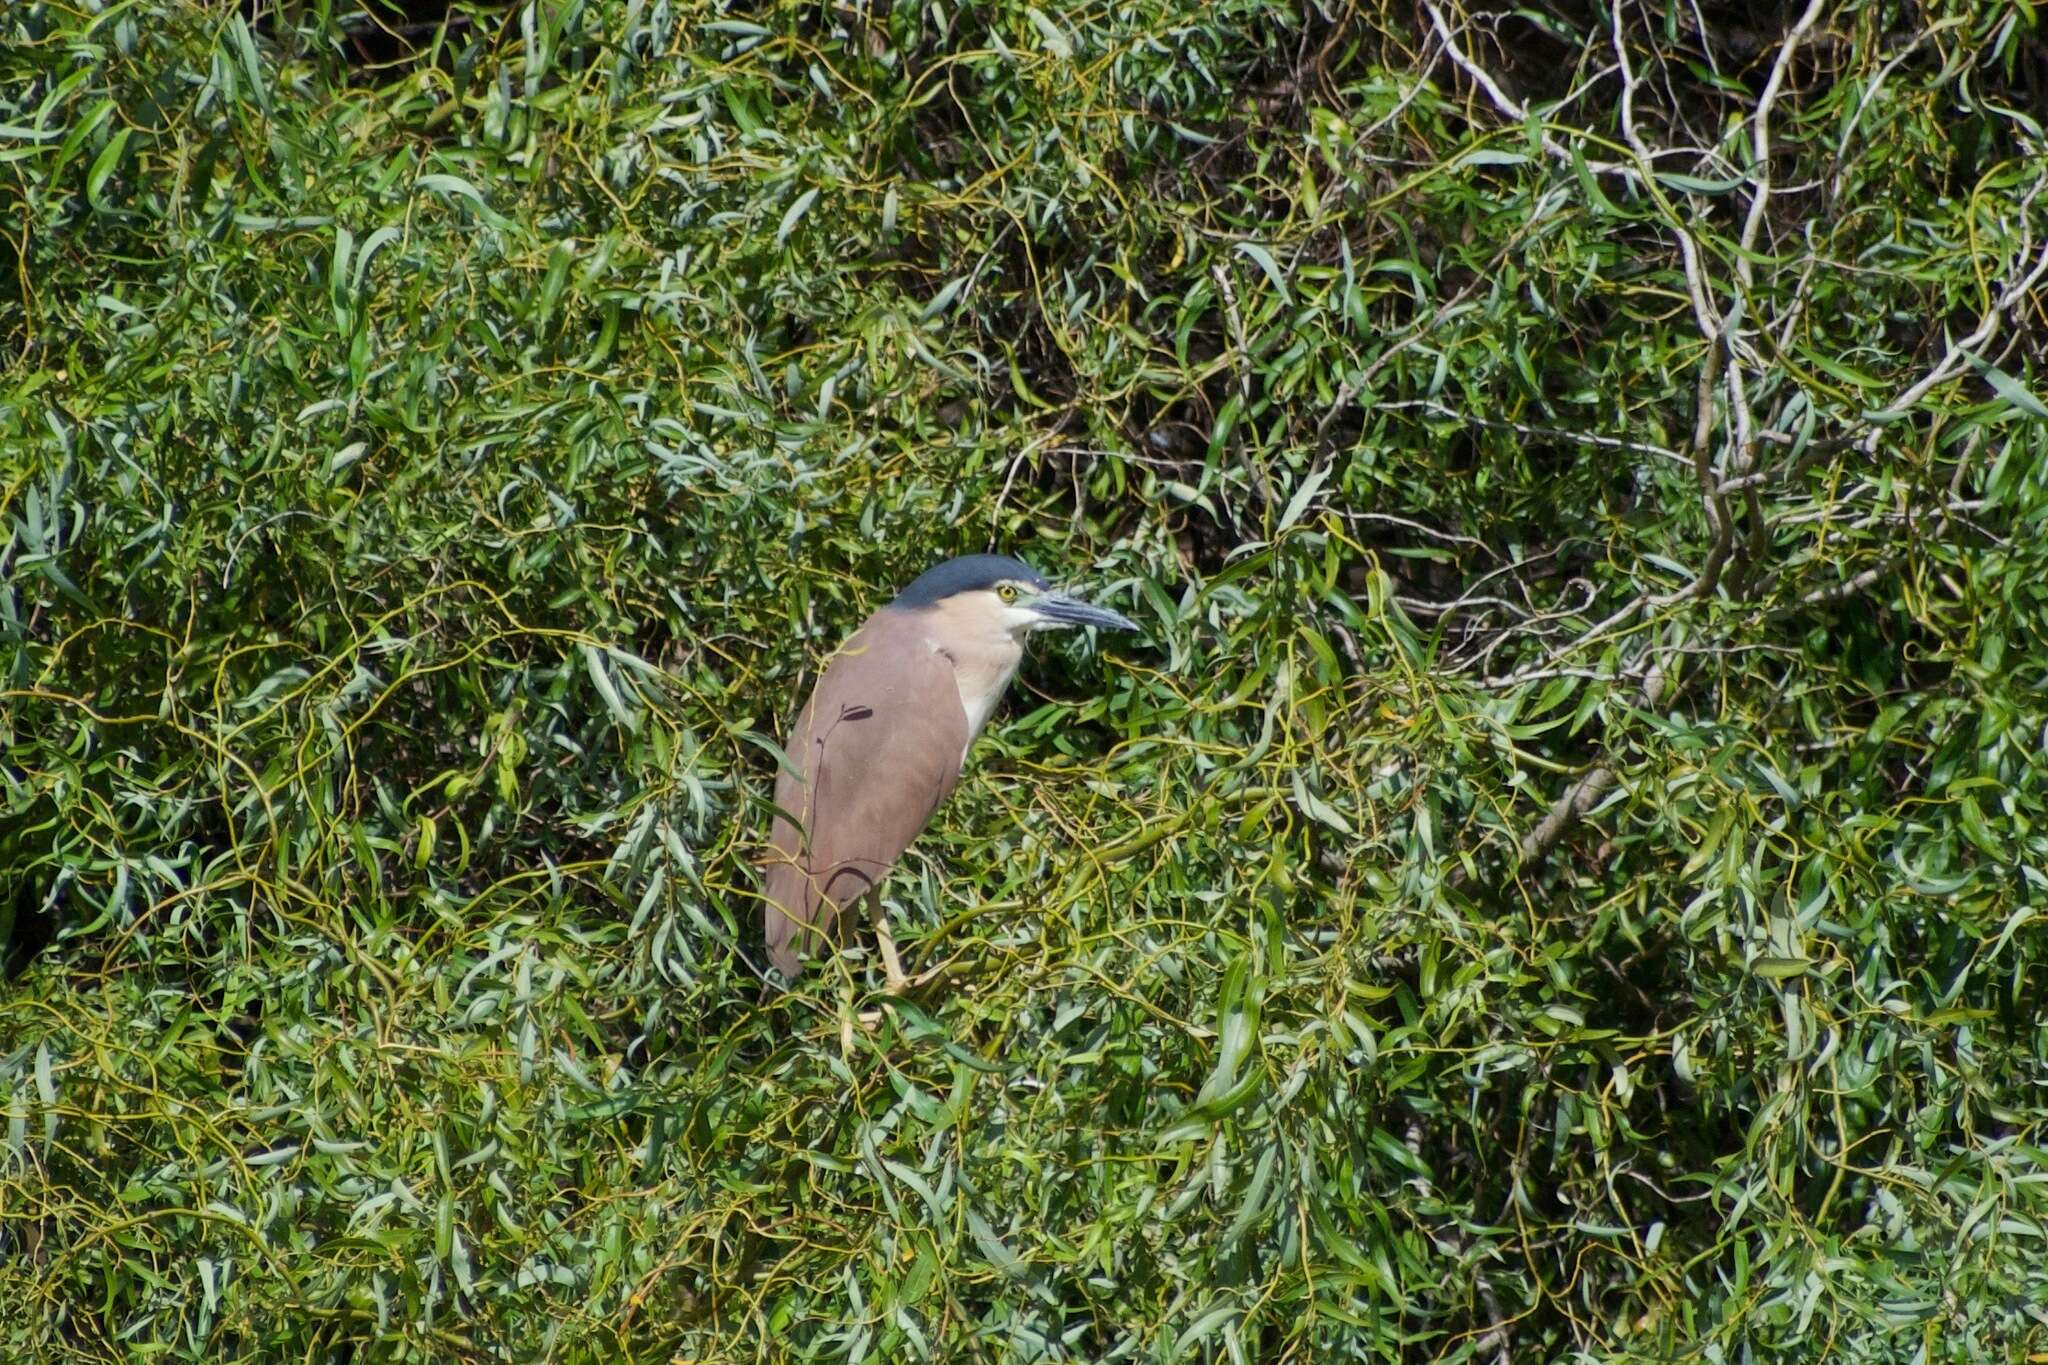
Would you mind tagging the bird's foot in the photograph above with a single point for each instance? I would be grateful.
(900, 984)
(897, 985)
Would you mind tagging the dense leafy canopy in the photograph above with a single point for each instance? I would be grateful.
(1560, 872)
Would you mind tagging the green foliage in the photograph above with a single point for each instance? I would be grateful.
(1559, 873)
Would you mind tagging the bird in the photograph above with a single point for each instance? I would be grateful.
(885, 734)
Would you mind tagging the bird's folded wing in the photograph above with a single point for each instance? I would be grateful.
(879, 746)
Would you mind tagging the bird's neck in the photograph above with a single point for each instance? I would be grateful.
(983, 663)
(981, 672)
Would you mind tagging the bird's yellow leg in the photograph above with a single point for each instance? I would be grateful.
(892, 966)
(897, 981)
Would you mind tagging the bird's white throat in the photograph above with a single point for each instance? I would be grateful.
(981, 671)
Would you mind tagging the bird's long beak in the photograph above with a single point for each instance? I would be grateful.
(1061, 610)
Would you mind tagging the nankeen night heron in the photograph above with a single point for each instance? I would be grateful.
(883, 738)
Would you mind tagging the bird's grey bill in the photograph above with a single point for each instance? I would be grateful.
(1072, 611)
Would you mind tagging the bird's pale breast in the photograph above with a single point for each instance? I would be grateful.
(983, 661)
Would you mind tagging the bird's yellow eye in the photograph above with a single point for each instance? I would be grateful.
(1007, 591)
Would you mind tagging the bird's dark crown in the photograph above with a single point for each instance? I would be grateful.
(968, 573)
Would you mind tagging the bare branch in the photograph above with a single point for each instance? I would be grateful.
(1586, 793)
(1584, 438)
(1760, 141)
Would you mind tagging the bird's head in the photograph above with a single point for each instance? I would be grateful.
(1004, 594)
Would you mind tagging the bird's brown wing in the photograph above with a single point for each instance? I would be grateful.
(879, 745)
